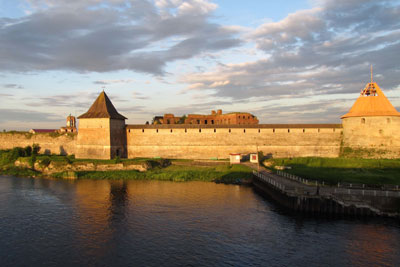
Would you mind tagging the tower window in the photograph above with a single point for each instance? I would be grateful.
(363, 120)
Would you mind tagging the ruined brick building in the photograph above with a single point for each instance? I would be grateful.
(216, 117)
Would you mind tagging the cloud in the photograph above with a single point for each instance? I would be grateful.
(102, 36)
(12, 86)
(22, 115)
(106, 82)
(324, 50)
(139, 96)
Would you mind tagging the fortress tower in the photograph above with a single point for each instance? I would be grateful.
(102, 133)
(372, 123)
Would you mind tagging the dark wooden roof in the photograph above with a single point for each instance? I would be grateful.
(217, 126)
(44, 130)
(102, 108)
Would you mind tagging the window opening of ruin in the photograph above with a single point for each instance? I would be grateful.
(198, 121)
(244, 130)
(199, 130)
(388, 120)
(212, 121)
(167, 121)
(205, 121)
(185, 130)
(288, 130)
(142, 130)
(229, 130)
(156, 130)
(129, 130)
(319, 130)
(171, 130)
(304, 130)
(273, 130)
(215, 130)
(363, 120)
(259, 131)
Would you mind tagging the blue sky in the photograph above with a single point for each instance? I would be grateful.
(284, 61)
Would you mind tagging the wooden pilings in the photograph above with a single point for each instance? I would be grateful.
(312, 204)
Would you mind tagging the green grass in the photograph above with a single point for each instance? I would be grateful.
(19, 172)
(344, 170)
(223, 173)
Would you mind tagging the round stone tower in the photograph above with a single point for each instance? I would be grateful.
(372, 126)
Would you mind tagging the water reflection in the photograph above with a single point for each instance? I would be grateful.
(150, 223)
(118, 200)
(373, 243)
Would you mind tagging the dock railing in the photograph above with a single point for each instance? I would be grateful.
(333, 190)
(338, 185)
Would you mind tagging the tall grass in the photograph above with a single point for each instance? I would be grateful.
(344, 170)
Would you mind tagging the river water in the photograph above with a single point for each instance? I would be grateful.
(152, 223)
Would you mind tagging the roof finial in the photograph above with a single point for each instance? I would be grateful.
(103, 88)
(372, 80)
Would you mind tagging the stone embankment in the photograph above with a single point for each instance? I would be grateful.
(303, 198)
(55, 167)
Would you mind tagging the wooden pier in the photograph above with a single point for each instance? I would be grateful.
(315, 199)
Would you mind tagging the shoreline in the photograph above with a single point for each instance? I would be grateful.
(226, 174)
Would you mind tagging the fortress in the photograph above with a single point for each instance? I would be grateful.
(370, 129)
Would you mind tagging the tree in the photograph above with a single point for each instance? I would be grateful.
(182, 119)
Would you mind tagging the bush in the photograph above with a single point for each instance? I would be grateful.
(12, 155)
(28, 151)
(35, 149)
(45, 161)
(32, 161)
(117, 159)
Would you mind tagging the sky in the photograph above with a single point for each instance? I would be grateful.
(292, 61)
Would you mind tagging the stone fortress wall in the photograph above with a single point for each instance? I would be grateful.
(370, 129)
(212, 141)
(49, 144)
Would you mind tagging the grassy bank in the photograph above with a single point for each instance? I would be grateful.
(158, 169)
(343, 170)
(221, 173)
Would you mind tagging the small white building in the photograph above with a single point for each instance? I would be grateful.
(254, 158)
(234, 158)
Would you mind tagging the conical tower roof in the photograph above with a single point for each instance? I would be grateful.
(371, 102)
(102, 108)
